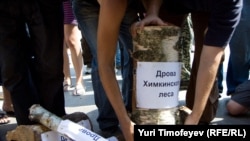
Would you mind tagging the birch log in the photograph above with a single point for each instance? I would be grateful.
(26, 133)
(34, 132)
(68, 128)
(156, 44)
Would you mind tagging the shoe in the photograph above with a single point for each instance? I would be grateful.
(220, 91)
(112, 132)
(79, 90)
(88, 70)
(66, 87)
(4, 119)
(230, 93)
(118, 67)
(8, 109)
(81, 119)
(10, 113)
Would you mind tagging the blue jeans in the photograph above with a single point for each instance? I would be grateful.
(118, 57)
(239, 59)
(87, 13)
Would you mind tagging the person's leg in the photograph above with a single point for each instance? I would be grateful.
(14, 58)
(235, 109)
(239, 104)
(46, 30)
(66, 69)
(87, 16)
(72, 36)
(87, 56)
(126, 45)
(118, 58)
(239, 59)
(7, 102)
(4, 119)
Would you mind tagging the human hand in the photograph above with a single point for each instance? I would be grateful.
(148, 20)
(191, 120)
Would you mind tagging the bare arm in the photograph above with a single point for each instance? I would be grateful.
(152, 6)
(111, 14)
(209, 62)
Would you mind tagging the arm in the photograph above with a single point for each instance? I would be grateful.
(152, 6)
(220, 28)
(111, 14)
(209, 62)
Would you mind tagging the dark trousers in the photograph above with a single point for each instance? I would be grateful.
(199, 22)
(32, 62)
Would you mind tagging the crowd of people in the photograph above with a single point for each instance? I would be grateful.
(34, 39)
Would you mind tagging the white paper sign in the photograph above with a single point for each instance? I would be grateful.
(67, 125)
(54, 136)
(157, 84)
(78, 132)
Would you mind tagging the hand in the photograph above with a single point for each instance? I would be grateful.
(191, 120)
(148, 20)
(151, 20)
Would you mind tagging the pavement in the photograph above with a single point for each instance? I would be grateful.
(86, 104)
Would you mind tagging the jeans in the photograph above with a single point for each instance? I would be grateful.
(118, 57)
(36, 80)
(87, 13)
(239, 59)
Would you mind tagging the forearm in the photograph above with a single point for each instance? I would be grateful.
(111, 15)
(209, 62)
(99, 1)
(152, 6)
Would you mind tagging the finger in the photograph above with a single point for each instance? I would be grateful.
(134, 28)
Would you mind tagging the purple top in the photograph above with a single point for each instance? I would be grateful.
(69, 17)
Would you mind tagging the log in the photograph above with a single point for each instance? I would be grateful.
(26, 133)
(156, 44)
(173, 116)
(34, 132)
(65, 127)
